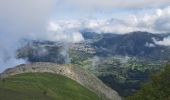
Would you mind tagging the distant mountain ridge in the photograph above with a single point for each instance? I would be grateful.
(134, 44)
(138, 44)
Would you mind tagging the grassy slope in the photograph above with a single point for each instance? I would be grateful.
(43, 86)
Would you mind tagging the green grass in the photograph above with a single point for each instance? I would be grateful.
(43, 86)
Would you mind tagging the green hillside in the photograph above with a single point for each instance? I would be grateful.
(158, 88)
(43, 86)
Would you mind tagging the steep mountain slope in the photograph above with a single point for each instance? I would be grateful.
(76, 73)
(43, 86)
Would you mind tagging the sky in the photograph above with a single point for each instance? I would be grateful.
(105, 8)
(113, 16)
(62, 20)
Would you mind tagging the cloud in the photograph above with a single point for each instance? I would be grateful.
(20, 19)
(68, 27)
(156, 22)
(164, 42)
(162, 22)
(72, 37)
(150, 45)
(64, 31)
(110, 4)
(26, 16)
(27, 19)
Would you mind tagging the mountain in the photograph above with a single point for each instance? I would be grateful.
(43, 51)
(73, 72)
(138, 44)
(134, 44)
(121, 61)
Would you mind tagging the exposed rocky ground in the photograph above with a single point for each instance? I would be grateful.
(74, 72)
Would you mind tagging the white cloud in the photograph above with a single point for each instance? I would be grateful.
(156, 22)
(20, 19)
(67, 31)
(72, 37)
(164, 42)
(150, 45)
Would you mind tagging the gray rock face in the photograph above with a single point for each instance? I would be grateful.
(74, 72)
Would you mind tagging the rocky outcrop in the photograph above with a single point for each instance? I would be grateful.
(74, 72)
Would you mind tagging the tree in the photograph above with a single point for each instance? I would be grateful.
(158, 88)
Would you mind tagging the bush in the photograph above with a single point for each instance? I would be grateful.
(45, 92)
